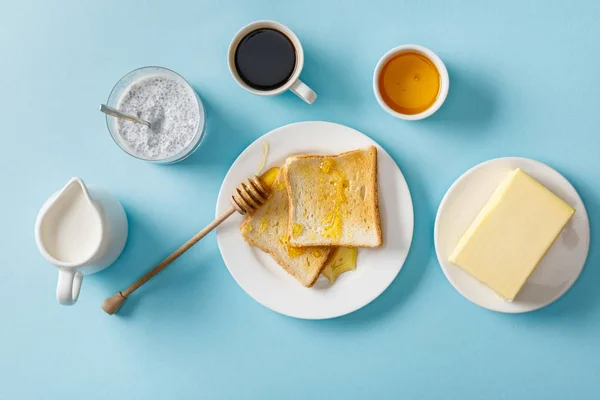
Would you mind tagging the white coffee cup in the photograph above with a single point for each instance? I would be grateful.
(444, 81)
(293, 83)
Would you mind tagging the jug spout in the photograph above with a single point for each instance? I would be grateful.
(76, 184)
(70, 226)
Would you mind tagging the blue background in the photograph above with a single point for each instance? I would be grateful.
(524, 82)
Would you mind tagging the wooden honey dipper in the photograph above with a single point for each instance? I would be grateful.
(247, 197)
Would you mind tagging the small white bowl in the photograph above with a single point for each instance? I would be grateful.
(444, 81)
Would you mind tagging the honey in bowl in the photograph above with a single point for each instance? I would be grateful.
(409, 82)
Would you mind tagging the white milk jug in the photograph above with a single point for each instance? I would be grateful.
(81, 230)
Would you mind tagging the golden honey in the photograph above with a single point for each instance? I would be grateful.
(332, 221)
(326, 165)
(291, 251)
(263, 223)
(341, 260)
(409, 83)
(263, 159)
(296, 229)
(269, 177)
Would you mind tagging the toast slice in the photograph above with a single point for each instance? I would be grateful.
(333, 199)
(267, 229)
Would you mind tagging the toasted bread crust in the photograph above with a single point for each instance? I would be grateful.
(376, 194)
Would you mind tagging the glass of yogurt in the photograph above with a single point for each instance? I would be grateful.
(166, 100)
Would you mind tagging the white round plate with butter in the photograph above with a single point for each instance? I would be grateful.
(559, 268)
(268, 283)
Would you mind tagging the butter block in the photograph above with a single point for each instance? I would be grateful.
(511, 234)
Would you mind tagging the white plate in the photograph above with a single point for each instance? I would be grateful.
(265, 281)
(557, 271)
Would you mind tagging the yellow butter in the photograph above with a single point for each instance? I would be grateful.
(511, 234)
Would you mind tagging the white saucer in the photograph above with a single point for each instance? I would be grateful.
(265, 281)
(557, 271)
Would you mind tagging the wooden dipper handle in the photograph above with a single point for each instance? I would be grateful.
(248, 196)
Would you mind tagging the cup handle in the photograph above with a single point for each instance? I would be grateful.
(301, 90)
(69, 285)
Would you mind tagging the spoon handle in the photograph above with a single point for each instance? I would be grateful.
(118, 114)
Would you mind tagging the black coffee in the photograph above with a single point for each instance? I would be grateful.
(265, 59)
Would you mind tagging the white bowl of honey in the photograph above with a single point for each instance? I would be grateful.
(410, 82)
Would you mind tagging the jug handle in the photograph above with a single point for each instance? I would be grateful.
(68, 287)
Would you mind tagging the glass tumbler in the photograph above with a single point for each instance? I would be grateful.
(123, 86)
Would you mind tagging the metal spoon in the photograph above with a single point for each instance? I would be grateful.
(118, 114)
